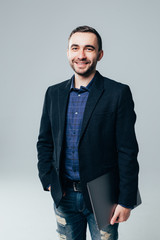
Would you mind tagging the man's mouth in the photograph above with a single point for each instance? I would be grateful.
(81, 63)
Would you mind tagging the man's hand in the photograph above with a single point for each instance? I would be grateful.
(49, 188)
(121, 214)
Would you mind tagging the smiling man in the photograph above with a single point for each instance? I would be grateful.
(83, 54)
(87, 130)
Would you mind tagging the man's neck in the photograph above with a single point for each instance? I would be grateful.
(83, 80)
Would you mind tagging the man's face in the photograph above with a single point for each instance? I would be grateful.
(83, 53)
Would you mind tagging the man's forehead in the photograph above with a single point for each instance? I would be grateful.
(85, 38)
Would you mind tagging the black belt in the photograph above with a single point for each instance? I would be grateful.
(73, 184)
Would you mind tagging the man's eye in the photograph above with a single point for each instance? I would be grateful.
(74, 49)
(89, 49)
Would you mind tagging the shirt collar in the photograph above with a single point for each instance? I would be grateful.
(82, 88)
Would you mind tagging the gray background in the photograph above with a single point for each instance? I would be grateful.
(33, 56)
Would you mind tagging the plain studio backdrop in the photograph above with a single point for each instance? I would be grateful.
(33, 46)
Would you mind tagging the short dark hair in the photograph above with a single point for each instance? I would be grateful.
(88, 29)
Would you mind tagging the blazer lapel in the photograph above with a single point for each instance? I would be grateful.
(63, 95)
(94, 95)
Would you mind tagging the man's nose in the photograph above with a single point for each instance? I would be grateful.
(81, 54)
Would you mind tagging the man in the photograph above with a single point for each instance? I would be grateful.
(87, 130)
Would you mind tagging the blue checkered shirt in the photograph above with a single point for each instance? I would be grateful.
(74, 117)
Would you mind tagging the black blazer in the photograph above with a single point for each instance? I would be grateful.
(107, 139)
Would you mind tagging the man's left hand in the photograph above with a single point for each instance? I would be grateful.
(121, 214)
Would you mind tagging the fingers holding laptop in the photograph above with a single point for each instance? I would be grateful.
(121, 214)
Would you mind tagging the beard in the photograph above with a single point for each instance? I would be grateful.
(84, 72)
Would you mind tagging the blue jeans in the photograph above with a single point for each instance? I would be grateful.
(72, 217)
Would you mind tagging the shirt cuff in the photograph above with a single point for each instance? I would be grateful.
(130, 207)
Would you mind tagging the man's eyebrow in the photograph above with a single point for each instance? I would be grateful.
(91, 46)
(76, 45)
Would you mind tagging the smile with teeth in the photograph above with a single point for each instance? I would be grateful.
(81, 63)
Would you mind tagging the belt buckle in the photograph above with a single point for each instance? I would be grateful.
(75, 187)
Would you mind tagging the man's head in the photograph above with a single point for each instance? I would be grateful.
(84, 50)
(85, 29)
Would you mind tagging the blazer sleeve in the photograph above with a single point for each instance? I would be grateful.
(45, 145)
(127, 148)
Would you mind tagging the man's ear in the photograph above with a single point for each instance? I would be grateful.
(100, 55)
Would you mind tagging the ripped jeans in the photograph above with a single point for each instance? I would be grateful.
(72, 217)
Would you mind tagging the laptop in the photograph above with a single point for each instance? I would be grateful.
(103, 193)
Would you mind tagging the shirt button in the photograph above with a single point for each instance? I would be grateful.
(79, 95)
(76, 112)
